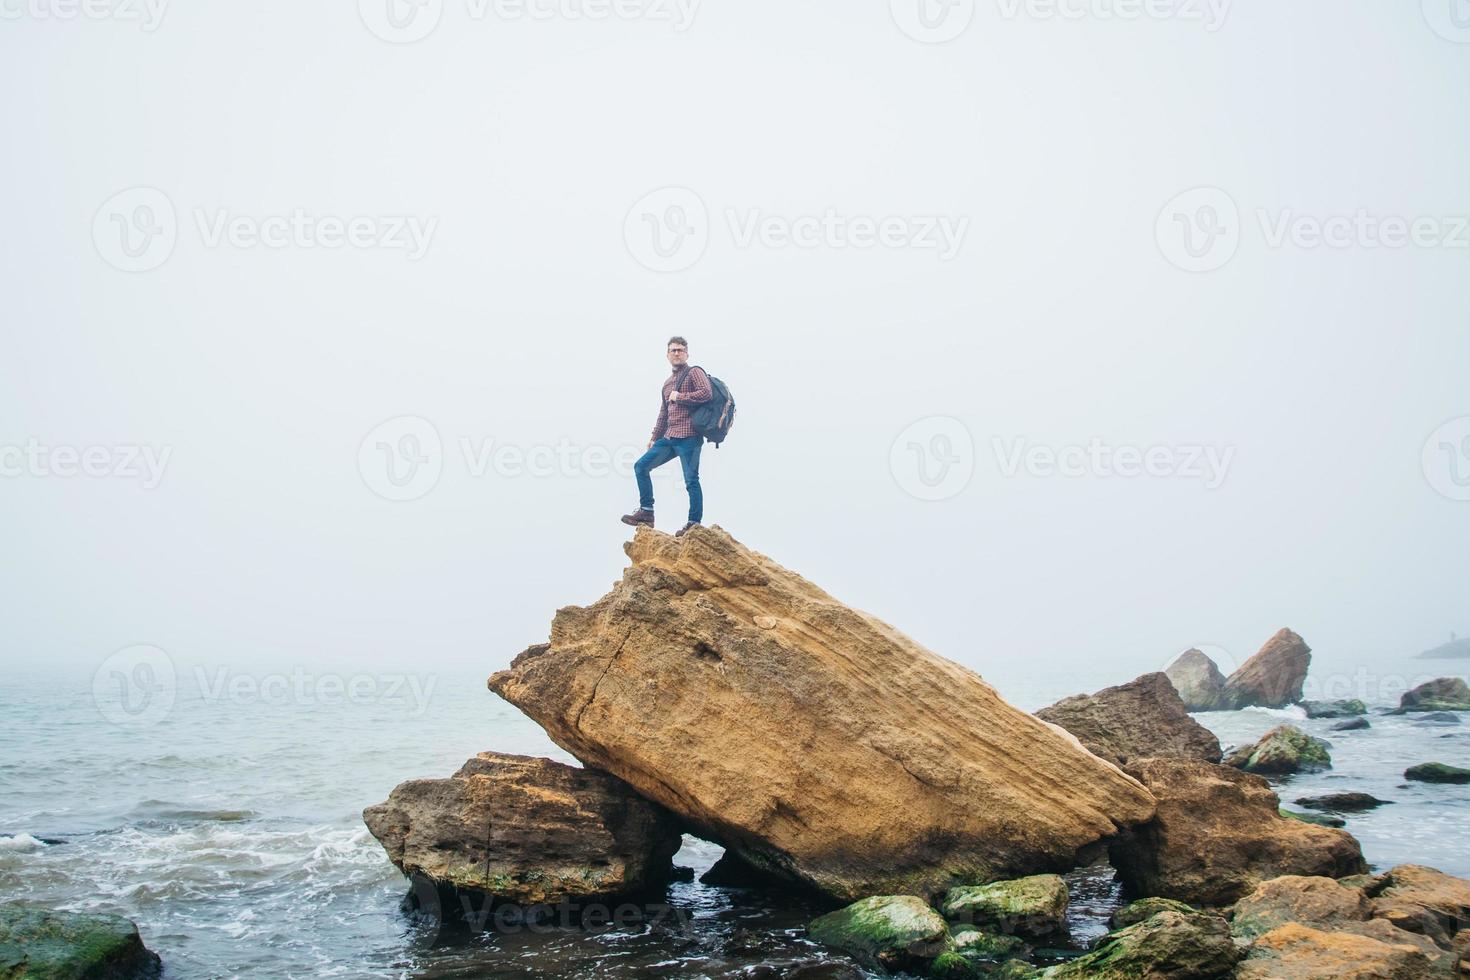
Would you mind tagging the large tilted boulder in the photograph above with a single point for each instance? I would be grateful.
(1444, 694)
(1218, 833)
(1142, 718)
(39, 943)
(1199, 682)
(1272, 678)
(816, 741)
(527, 831)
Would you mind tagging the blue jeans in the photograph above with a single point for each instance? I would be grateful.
(663, 450)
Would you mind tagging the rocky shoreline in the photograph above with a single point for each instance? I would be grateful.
(715, 693)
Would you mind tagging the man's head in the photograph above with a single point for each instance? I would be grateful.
(678, 351)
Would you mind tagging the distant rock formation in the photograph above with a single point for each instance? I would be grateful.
(1137, 720)
(1272, 678)
(526, 830)
(1198, 681)
(1457, 649)
(817, 742)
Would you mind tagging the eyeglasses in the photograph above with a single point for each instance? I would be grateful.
(678, 350)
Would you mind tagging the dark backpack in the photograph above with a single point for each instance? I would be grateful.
(714, 418)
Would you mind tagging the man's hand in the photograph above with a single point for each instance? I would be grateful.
(649, 446)
(673, 396)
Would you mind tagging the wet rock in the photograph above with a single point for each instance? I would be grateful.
(1283, 750)
(1321, 903)
(1335, 709)
(1443, 694)
(1198, 681)
(1438, 718)
(1298, 952)
(1423, 900)
(1351, 725)
(1168, 945)
(1218, 833)
(977, 944)
(46, 944)
(526, 830)
(891, 932)
(1144, 908)
(1437, 772)
(1273, 677)
(1320, 819)
(829, 749)
(1033, 907)
(1142, 718)
(1341, 802)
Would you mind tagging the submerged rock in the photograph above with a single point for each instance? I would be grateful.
(1273, 677)
(816, 741)
(1142, 718)
(46, 944)
(1351, 725)
(1218, 833)
(1437, 772)
(1341, 802)
(526, 830)
(1283, 750)
(1334, 709)
(1034, 907)
(1168, 945)
(1443, 694)
(1438, 718)
(1198, 681)
(893, 932)
(1320, 819)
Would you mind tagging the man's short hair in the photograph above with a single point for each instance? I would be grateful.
(677, 340)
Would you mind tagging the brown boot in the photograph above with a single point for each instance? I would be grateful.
(639, 516)
(680, 533)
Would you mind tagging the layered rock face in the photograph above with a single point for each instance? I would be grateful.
(1137, 720)
(1218, 834)
(816, 741)
(1272, 678)
(1199, 682)
(526, 830)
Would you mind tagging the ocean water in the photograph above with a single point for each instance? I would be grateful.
(228, 827)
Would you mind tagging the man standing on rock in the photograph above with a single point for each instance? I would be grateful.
(674, 435)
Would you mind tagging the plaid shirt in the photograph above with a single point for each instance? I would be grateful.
(673, 418)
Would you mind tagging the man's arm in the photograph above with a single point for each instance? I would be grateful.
(663, 421)
(701, 391)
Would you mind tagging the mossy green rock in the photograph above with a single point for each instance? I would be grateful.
(1284, 749)
(1443, 694)
(1320, 819)
(1145, 908)
(1034, 907)
(42, 944)
(1169, 945)
(1334, 709)
(979, 944)
(1437, 772)
(955, 966)
(888, 931)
